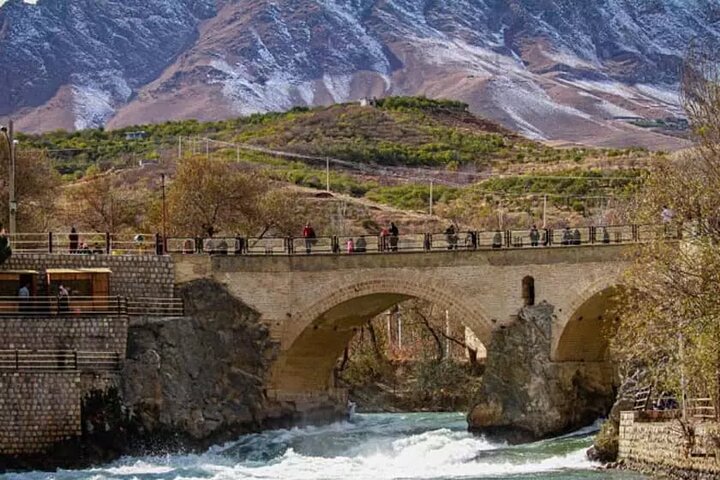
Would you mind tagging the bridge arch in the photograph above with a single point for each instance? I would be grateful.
(583, 333)
(321, 331)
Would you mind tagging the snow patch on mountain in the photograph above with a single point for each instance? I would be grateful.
(96, 98)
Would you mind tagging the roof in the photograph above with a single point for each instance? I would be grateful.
(60, 271)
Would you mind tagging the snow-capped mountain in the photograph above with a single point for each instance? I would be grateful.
(553, 69)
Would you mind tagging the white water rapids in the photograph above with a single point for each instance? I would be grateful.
(370, 447)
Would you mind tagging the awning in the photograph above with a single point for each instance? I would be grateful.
(19, 272)
(70, 271)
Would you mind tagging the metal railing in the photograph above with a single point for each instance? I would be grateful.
(57, 306)
(155, 307)
(701, 408)
(59, 360)
(427, 242)
(665, 406)
(86, 243)
(76, 306)
(146, 244)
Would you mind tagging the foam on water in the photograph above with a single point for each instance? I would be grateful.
(382, 447)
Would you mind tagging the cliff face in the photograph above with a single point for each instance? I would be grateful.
(196, 381)
(553, 69)
(525, 396)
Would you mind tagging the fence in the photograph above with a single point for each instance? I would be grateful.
(90, 306)
(427, 242)
(86, 243)
(58, 360)
(146, 244)
(666, 406)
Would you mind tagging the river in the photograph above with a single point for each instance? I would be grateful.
(369, 447)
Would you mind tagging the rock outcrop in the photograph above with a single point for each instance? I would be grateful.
(525, 396)
(198, 380)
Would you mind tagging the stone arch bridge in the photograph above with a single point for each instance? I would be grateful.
(312, 304)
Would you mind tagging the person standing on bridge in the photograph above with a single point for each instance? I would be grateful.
(534, 236)
(384, 235)
(74, 240)
(497, 239)
(394, 237)
(567, 237)
(309, 236)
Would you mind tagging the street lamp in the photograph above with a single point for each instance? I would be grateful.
(8, 133)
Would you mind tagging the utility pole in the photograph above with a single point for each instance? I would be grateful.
(447, 334)
(327, 174)
(180, 147)
(545, 211)
(13, 201)
(164, 231)
(207, 148)
(9, 134)
(237, 153)
(431, 196)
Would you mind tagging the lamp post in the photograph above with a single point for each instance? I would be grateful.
(162, 178)
(8, 133)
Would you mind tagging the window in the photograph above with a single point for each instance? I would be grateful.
(528, 291)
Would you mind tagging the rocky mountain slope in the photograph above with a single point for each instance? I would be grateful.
(553, 69)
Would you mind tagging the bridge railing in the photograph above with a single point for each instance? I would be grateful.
(58, 360)
(147, 244)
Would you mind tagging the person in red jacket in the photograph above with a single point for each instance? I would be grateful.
(309, 236)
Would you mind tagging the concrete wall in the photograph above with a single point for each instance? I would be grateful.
(88, 334)
(662, 447)
(38, 410)
(133, 276)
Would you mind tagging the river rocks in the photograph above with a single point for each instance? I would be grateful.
(194, 381)
(525, 396)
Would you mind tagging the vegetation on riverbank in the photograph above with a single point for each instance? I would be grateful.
(412, 359)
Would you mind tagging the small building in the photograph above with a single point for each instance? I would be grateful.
(138, 135)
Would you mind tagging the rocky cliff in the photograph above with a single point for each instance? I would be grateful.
(525, 396)
(196, 381)
(552, 69)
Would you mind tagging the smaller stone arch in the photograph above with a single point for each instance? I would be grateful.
(583, 333)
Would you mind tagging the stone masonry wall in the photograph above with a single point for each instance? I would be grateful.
(133, 276)
(663, 447)
(38, 410)
(89, 334)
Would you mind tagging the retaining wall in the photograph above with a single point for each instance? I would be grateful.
(663, 447)
(38, 410)
(87, 334)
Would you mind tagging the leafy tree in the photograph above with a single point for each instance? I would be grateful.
(36, 189)
(671, 316)
(98, 204)
(208, 197)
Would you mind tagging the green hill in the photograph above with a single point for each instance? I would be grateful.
(389, 150)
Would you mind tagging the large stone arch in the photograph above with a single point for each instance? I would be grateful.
(582, 331)
(320, 332)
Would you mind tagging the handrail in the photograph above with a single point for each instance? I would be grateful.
(77, 306)
(59, 360)
(148, 244)
(427, 242)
